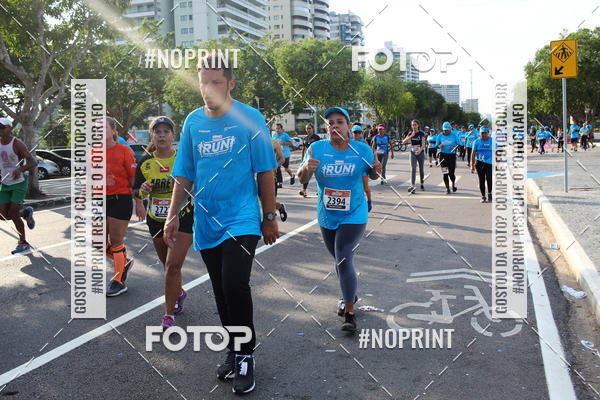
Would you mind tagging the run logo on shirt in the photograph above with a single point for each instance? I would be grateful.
(340, 168)
(217, 146)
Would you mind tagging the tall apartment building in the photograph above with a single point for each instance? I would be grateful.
(195, 21)
(470, 105)
(410, 70)
(451, 93)
(298, 19)
(347, 28)
(153, 10)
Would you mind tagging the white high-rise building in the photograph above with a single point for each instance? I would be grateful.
(347, 28)
(470, 105)
(410, 71)
(195, 21)
(298, 19)
(153, 10)
(451, 93)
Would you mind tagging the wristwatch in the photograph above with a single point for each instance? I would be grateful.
(270, 216)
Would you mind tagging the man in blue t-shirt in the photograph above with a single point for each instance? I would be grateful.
(482, 160)
(226, 153)
(574, 132)
(382, 147)
(285, 140)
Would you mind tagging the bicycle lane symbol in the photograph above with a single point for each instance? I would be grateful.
(477, 307)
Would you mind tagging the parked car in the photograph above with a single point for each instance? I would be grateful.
(64, 164)
(296, 143)
(63, 152)
(139, 151)
(46, 168)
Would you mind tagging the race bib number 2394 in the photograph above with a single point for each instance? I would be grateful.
(336, 200)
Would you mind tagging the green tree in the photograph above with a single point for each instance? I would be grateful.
(386, 94)
(318, 72)
(428, 102)
(133, 92)
(37, 55)
(544, 94)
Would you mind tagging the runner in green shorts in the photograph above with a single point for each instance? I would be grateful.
(15, 159)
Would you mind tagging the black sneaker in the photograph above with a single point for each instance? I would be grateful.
(454, 188)
(483, 200)
(447, 191)
(349, 324)
(115, 288)
(341, 306)
(422, 187)
(226, 370)
(128, 266)
(243, 381)
(413, 190)
(279, 185)
(292, 179)
(282, 213)
(489, 197)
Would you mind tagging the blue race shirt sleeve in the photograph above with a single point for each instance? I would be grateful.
(261, 147)
(184, 160)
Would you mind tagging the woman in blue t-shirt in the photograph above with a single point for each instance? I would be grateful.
(481, 159)
(382, 146)
(339, 165)
(417, 145)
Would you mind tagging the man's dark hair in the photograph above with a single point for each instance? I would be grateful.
(216, 61)
(279, 125)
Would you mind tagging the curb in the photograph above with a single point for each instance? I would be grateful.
(37, 204)
(578, 261)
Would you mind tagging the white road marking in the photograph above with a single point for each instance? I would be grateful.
(557, 373)
(93, 334)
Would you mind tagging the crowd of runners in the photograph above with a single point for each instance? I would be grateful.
(217, 192)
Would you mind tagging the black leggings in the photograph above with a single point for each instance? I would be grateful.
(484, 171)
(542, 145)
(341, 243)
(448, 160)
(229, 267)
(469, 151)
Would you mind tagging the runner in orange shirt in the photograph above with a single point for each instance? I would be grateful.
(120, 171)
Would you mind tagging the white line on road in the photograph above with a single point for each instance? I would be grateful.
(455, 181)
(51, 246)
(558, 379)
(93, 334)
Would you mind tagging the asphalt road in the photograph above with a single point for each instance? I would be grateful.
(407, 253)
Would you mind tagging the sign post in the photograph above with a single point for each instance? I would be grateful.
(563, 65)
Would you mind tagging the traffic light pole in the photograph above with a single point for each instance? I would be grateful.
(564, 96)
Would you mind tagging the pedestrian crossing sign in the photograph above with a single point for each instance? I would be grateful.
(563, 59)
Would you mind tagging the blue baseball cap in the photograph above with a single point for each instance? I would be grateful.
(546, 127)
(356, 128)
(471, 126)
(485, 129)
(446, 126)
(337, 110)
(432, 130)
(162, 120)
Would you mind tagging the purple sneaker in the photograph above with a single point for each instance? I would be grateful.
(179, 302)
(167, 322)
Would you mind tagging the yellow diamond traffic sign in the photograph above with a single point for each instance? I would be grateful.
(368, 115)
(563, 59)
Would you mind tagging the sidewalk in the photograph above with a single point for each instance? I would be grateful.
(573, 217)
(49, 202)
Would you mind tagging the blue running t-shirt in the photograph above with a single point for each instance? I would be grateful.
(449, 142)
(339, 179)
(483, 150)
(220, 156)
(284, 137)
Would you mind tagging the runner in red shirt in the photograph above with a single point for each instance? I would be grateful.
(120, 171)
